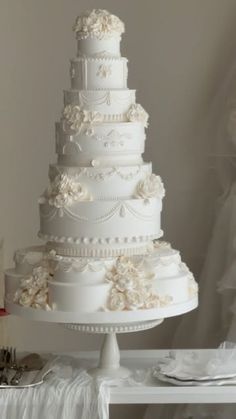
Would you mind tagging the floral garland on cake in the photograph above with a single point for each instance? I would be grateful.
(97, 23)
(33, 291)
(137, 113)
(150, 187)
(132, 287)
(63, 191)
(77, 119)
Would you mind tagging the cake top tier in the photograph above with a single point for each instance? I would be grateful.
(99, 24)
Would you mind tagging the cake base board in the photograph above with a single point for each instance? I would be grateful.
(100, 317)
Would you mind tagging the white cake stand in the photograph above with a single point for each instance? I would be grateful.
(109, 360)
(107, 323)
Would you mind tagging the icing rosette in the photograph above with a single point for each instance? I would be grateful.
(137, 113)
(98, 23)
(132, 286)
(151, 187)
(64, 191)
(33, 291)
(78, 119)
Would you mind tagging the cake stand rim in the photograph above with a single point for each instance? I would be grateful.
(105, 317)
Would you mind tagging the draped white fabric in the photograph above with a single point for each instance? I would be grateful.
(77, 396)
(215, 319)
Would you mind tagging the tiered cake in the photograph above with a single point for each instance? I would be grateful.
(100, 214)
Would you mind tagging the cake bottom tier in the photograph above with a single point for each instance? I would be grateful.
(51, 282)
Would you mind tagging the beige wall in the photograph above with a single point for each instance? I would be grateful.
(178, 53)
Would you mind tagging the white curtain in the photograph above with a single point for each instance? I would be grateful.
(215, 319)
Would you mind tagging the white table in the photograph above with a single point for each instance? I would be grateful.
(161, 393)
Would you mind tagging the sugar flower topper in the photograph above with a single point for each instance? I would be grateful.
(97, 23)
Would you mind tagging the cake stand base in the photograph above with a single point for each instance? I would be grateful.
(109, 360)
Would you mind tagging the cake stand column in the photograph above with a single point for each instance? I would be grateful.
(109, 360)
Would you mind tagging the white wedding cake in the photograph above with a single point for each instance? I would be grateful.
(100, 214)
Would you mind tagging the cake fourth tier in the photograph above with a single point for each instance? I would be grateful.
(103, 200)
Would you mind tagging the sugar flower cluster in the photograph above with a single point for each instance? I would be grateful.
(137, 113)
(33, 291)
(132, 287)
(97, 23)
(77, 119)
(150, 187)
(63, 191)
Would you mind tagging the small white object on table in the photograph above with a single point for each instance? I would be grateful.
(157, 392)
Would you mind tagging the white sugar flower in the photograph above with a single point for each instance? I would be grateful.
(117, 301)
(150, 187)
(73, 117)
(41, 297)
(152, 301)
(98, 23)
(26, 282)
(26, 298)
(40, 273)
(134, 299)
(64, 191)
(78, 119)
(137, 113)
(33, 291)
(125, 283)
(131, 284)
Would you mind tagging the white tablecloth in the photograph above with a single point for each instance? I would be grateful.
(77, 396)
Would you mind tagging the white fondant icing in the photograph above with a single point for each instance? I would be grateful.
(112, 142)
(12, 281)
(105, 182)
(76, 297)
(114, 104)
(90, 221)
(95, 73)
(93, 47)
(177, 287)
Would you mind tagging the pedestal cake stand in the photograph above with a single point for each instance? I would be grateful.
(107, 323)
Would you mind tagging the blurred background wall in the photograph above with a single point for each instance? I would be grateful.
(178, 51)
